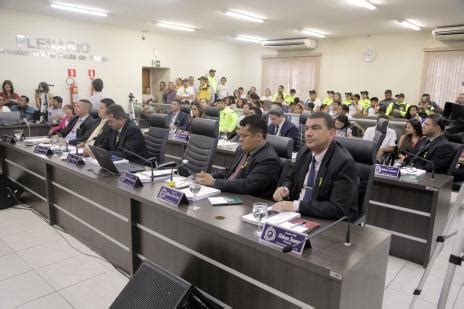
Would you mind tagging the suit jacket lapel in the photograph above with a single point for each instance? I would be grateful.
(303, 171)
(235, 162)
(318, 182)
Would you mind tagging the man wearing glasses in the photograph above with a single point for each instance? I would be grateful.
(255, 168)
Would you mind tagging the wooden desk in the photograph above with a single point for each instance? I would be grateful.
(415, 213)
(212, 247)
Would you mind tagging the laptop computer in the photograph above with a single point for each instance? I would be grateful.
(9, 118)
(103, 158)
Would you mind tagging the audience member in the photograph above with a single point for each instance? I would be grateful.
(148, 97)
(328, 100)
(355, 107)
(227, 118)
(97, 87)
(388, 144)
(348, 99)
(177, 119)
(55, 112)
(255, 168)
(425, 99)
(279, 94)
(124, 136)
(178, 83)
(241, 93)
(8, 93)
(68, 111)
(222, 89)
(397, 109)
(373, 110)
(435, 147)
(280, 126)
(23, 107)
(192, 84)
(338, 97)
(80, 126)
(297, 108)
(413, 113)
(171, 93)
(42, 94)
(204, 92)
(365, 102)
(324, 182)
(213, 84)
(388, 99)
(411, 137)
(163, 92)
(185, 93)
(240, 103)
(196, 111)
(314, 100)
(342, 125)
(290, 99)
(267, 96)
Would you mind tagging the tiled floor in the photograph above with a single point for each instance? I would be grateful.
(38, 269)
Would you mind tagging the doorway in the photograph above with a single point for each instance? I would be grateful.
(151, 77)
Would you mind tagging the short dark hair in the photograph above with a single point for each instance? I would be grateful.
(357, 96)
(343, 119)
(312, 92)
(117, 111)
(345, 108)
(375, 99)
(97, 84)
(388, 91)
(175, 101)
(438, 120)
(89, 104)
(107, 101)
(310, 105)
(276, 111)
(25, 98)
(257, 110)
(292, 90)
(255, 123)
(329, 121)
(58, 99)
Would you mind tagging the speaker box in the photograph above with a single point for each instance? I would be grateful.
(153, 287)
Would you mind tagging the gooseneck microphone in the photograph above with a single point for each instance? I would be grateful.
(149, 161)
(290, 247)
(420, 158)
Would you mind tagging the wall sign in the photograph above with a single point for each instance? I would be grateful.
(71, 72)
(52, 48)
(91, 73)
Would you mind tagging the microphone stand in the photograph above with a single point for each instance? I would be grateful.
(149, 161)
(290, 247)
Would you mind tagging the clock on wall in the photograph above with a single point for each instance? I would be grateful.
(368, 55)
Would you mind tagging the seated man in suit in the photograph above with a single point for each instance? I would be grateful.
(255, 168)
(280, 126)
(324, 181)
(125, 136)
(178, 118)
(435, 147)
(102, 130)
(80, 126)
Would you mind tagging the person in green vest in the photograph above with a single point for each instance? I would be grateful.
(290, 99)
(348, 99)
(397, 109)
(328, 100)
(227, 118)
(213, 84)
(365, 101)
(280, 91)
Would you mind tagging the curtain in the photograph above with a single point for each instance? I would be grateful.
(300, 73)
(443, 75)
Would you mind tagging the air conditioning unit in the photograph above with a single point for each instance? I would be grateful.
(290, 44)
(452, 33)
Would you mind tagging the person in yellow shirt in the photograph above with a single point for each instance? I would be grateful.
(290, 99)
(348, 99)
(280, 91)
(204, 91)
(365, 101)
(228, 119)
(328, 100)
(398, 109)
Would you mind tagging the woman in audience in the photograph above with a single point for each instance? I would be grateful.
(409, 140)
(40, 93)
(8, 93)
(342, 124)
(325, 108)
(355, 107)
(68, 114)
(267, 95)
(240, 103)
(196, 111)
(203, 103)
(178, 83)
(297, 108)
(338, 97)
(236, 95)
(413, 113)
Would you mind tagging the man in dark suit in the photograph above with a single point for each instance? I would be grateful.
(280, 126)
(125, 136)
(255, 168)
(177, 118)
(435, 147)
(324, 181)
(80, 126)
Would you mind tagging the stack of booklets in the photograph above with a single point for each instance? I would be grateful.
(300, 225)
(412, 174)
(204, 192)
(145, 176)
(273, 217)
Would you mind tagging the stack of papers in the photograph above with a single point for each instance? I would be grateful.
(159, 175)
(412, 174)
(204, 192)
(274, 217)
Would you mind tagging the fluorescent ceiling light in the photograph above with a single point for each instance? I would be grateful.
(364, 4)
(313, 33)
(409, 25)
(248, 38)
(244, 15)
(79, 9)
(175, 26)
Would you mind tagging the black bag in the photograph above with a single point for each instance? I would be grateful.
(9, 192)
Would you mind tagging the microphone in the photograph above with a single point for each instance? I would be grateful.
(149, 161)
(290, 247)
(418, 157)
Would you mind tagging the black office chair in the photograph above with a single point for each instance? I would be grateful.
(457, 149)
(363, 153)
(301, 130)
(380, 133)
(201, 147)
(156, 138)
(283, 146)
(212, 113)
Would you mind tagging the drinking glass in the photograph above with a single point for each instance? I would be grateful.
(18, 133)
(194, 187)
(260, 214)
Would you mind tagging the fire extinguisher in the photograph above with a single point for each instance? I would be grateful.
(74, 93)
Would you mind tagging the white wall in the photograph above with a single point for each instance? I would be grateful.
(398, 64)
(125, 49)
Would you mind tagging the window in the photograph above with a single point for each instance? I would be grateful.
(300, 73)
(443, 75)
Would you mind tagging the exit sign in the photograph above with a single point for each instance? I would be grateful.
(155, 63)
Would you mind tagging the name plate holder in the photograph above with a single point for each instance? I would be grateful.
(182, 136)
(277, 236)
(75, 159)
(8, 139)
(130, 180)
(387, 171)
(172, 196)
(43, 150)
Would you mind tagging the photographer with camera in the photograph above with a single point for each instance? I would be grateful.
(43, 99)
